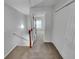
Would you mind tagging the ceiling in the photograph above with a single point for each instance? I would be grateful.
(24, 5)
(52, 3)
(46, 3)
(20, 5)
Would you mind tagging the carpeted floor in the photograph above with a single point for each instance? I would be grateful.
(44, 51)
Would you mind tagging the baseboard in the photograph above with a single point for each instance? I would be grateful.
(57, 49)
(54, 47)
(9, 51)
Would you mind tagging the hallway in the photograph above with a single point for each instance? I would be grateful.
(44, 51)
(48, 26)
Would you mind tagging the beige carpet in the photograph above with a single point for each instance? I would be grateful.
(44, 51)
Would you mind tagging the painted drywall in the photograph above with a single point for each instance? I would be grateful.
(12, 21)
(63, 33)
(48, 25)
(48, 20)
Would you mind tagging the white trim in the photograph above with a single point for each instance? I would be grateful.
(57, 48)
(63, 5)
(9, 51)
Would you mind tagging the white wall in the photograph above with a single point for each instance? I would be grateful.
(63, 35)
(48, 25)
(48, 20)
(12, 20)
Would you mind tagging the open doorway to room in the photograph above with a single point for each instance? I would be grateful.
(39, 27)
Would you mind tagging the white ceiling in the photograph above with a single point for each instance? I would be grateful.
(20, 5)
(52, 3)
(45, 3)
(24, 5)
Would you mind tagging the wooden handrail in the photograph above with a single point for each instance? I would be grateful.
(30, 38)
